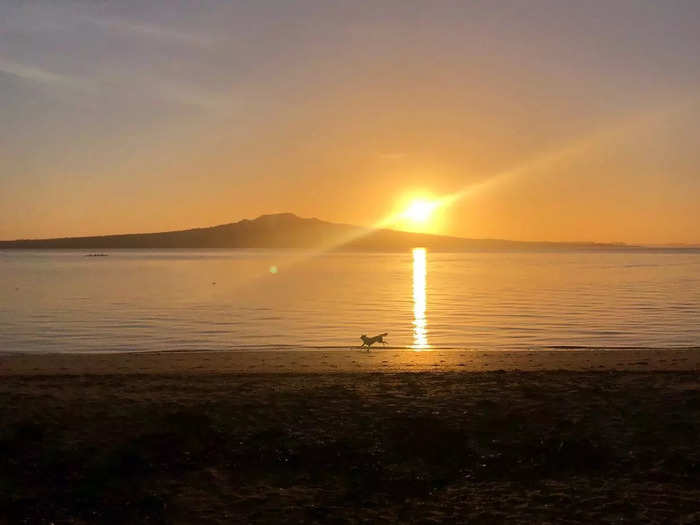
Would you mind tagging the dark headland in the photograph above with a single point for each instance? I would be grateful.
(288, 231)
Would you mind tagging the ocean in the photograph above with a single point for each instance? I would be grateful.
(229, 300)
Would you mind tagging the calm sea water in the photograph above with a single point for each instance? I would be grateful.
(56, 301)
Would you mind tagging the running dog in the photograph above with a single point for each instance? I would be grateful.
(369, 341)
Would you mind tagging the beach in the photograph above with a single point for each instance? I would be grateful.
(379, 359)
(209, 212)
(561, 436)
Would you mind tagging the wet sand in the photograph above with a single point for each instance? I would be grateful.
(348, 437)
(324, 361)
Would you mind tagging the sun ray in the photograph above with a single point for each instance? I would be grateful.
(623, 128)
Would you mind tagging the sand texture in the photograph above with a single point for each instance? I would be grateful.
(428, 447)
(318, 361)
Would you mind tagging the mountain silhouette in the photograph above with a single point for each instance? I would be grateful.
(288, 231)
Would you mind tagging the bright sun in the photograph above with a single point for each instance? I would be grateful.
(420, 210)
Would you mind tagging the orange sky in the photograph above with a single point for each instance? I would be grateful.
(583, 119)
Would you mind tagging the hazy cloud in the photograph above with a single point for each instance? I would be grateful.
(392, 156)
(35, 74)
(158, 32)
(152, 87)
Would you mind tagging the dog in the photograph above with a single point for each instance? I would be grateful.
(369, 341)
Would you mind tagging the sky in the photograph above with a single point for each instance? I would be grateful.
(535, 120)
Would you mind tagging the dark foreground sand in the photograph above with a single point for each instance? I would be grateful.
(152, 439)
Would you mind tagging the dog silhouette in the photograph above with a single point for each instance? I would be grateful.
(369, 341)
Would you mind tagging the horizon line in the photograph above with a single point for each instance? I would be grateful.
(625, 244)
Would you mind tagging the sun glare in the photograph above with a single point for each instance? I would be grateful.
(420, 333)
(419, 211)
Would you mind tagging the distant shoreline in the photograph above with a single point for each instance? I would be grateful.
(285, 231)
(571, 249)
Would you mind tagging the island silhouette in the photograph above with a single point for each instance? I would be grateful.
(289, 231)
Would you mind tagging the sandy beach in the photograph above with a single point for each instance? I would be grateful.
(348, 360)
(347, 437)
(210, 211)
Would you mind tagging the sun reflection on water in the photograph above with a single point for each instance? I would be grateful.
(420, 338)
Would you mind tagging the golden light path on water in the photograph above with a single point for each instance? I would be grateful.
(420, 335)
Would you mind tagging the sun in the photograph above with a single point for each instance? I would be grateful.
(420, 210)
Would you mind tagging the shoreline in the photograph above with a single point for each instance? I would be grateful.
(347, 361)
